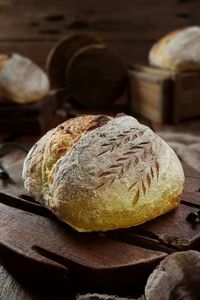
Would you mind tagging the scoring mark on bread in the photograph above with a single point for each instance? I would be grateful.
(136, 197)
(121, 138)
(146, 176)
(141, 152)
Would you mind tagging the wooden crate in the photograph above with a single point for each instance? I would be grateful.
(164, 96)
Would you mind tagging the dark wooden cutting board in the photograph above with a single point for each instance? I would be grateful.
(33, 240)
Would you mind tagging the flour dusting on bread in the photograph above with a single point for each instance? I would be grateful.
(114, 174)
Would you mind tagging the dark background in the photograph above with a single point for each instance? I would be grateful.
(32, 27)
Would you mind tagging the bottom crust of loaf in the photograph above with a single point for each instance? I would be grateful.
(83, 221)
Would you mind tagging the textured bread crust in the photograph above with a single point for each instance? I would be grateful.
(178, 50)
(100, 178)
(44, 156)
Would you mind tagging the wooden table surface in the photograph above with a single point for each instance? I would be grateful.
(19, 286)
(22, 286)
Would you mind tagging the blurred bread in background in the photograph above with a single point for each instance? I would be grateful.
(178, 50)
(21, 80)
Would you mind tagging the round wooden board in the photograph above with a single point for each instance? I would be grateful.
(61, 54)
(87, 72)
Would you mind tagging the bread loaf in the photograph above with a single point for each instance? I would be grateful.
(21, 80)
(178, 50)
(98, 173)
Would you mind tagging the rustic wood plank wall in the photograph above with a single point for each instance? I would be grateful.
(32, 27)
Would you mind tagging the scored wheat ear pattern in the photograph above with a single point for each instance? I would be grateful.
(135, 154)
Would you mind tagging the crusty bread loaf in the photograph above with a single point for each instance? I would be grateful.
(98, 173)
(178, 50)
(21, 80)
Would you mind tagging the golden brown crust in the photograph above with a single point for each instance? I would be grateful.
(117, 218)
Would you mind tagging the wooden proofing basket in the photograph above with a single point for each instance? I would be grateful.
(164, 96)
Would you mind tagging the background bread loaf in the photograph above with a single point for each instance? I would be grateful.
(101, 173)
(178, 50)
(21, 80)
